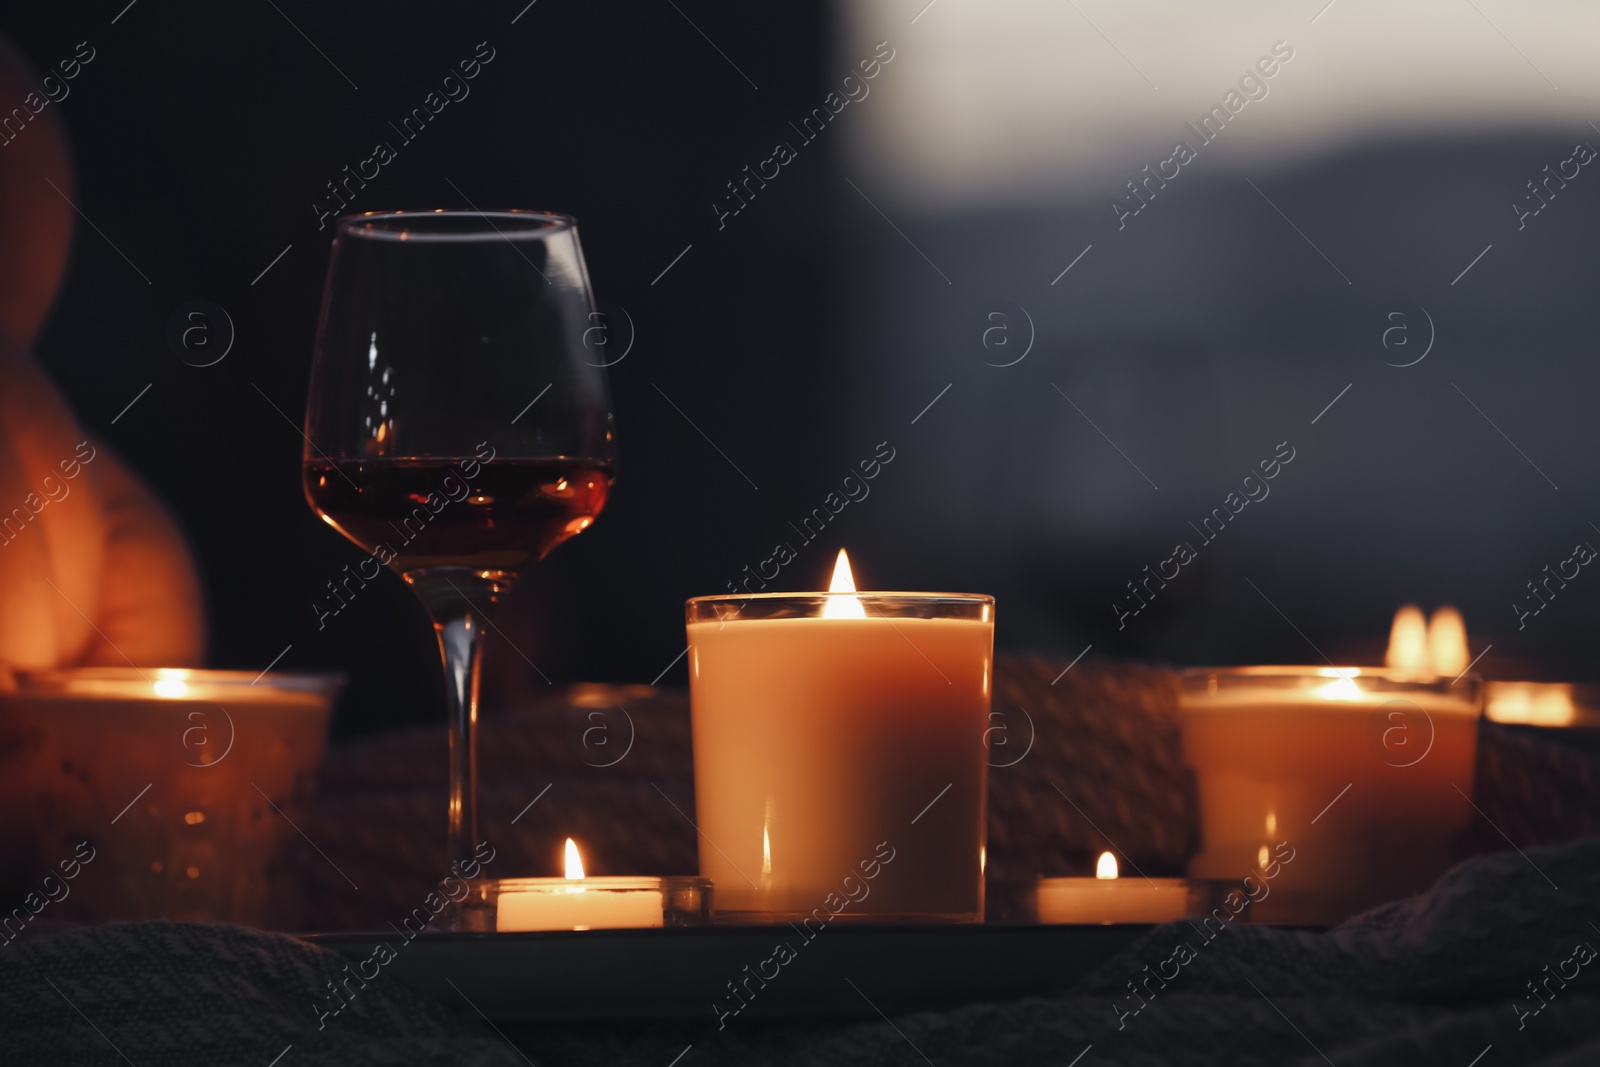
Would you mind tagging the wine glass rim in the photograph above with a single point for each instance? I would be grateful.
(508, 224)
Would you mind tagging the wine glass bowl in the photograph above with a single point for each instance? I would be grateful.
(456, 429)
(434, 323)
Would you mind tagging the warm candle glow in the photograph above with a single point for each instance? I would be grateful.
(1341, 688)
(843, 607)
(574, 862)
(1436, 646)
(1532, 704)
(170, 684)
(1106, 868)
(1447, 641)
(1408, 641)
(601, 903)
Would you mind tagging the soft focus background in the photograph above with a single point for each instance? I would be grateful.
(854, 300)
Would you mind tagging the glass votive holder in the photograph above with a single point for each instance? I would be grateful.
(599, 903)
(1345, 786)
(840, 754)
(166, 792)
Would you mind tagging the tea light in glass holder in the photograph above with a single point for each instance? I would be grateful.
(1106, 898)
(577, 902)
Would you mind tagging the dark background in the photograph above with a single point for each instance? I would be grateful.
(203, 135)
(807, 332)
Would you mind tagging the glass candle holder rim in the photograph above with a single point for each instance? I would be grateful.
(602, 882)
(823, 596)
(1083, 881)
(63, 681)
(495, 224)
(1204, 681)
(704, 609)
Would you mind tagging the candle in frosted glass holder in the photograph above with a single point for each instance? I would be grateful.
(166, 792)
(1344, 786)
(840, 756)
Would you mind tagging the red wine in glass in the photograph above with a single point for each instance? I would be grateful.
(429, 514)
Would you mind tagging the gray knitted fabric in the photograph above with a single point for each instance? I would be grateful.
(1431, 980)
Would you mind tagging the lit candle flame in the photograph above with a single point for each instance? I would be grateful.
(843, 607)
(574, 862)
(1447, 641)
(1436, 646)
(1408, 641)
(1106, 867)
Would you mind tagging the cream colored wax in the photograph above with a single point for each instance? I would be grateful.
(1274, 767)
(1114, 900)
(818, 741)
(562, 905)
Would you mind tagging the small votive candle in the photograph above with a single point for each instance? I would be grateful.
(577, 902)
(1106, 898)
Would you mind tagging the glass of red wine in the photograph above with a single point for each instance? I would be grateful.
(458, 425)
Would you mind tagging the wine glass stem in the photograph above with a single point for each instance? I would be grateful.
(458, 600)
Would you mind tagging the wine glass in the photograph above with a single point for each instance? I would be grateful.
(456, 428)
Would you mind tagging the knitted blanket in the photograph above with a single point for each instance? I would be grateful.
(1493, 966)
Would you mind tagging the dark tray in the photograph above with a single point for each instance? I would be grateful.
(843, 971)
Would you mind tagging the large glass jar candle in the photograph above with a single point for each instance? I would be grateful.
(840, 756)
(1344, 786)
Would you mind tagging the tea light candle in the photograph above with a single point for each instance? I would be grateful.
(1106, 898)
(839, 750)
(580, 903)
